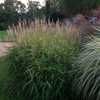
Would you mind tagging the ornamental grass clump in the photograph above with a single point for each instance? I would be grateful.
(88, 72)
(39, 66)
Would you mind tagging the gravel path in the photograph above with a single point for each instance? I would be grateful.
(4, 47)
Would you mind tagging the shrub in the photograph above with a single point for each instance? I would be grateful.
(88, 70)
(39, 66)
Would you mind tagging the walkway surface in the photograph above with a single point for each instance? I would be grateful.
(4, 47)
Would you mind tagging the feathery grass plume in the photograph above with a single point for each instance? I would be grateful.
(88, 72)
(16, 33)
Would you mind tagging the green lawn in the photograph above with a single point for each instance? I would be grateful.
(2, 35)
(3, 78)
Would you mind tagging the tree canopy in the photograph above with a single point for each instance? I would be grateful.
(74, 6)
(11, 11)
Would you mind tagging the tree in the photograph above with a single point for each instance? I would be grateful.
(35, 10)
(20, 7)
(75, 6)
(10, 12)
(10, 5)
